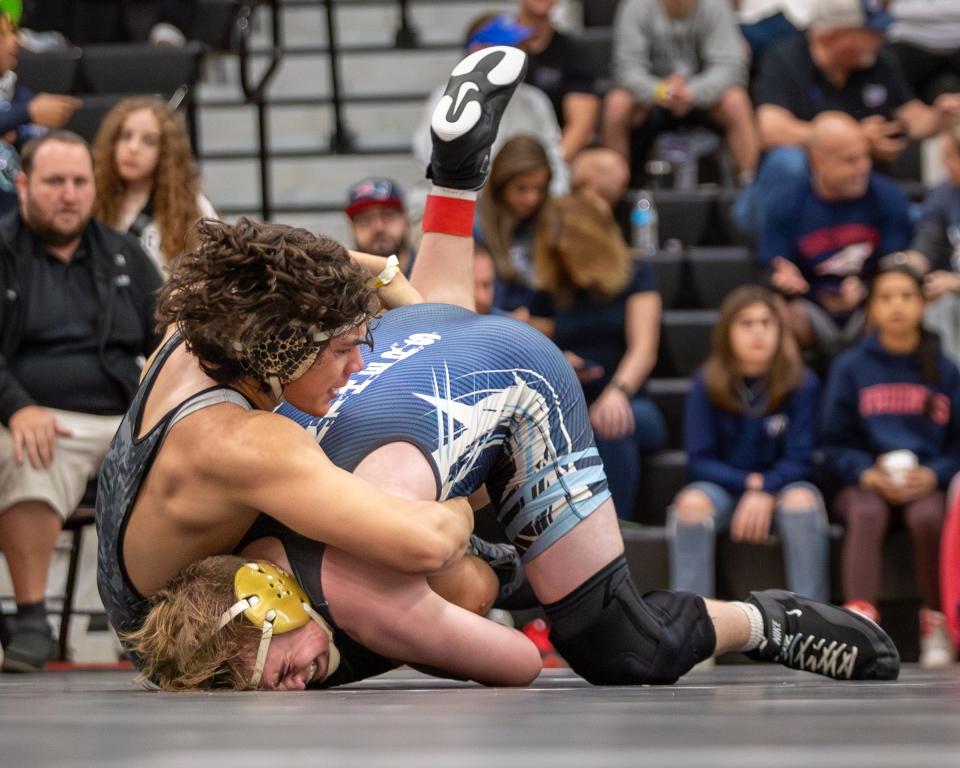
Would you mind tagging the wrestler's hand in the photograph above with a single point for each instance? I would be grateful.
(751, 518)
(34, 431)
(611, 415)
(399, 293)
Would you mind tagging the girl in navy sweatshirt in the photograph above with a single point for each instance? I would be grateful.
(749, 428)
(895, 391)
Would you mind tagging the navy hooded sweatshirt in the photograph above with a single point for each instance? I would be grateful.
(725, 447)
(877, 401)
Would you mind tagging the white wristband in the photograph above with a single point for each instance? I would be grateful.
(389, 272)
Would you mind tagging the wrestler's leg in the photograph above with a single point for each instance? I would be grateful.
(402, 470)
(398, 616)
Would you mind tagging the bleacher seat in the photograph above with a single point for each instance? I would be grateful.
(663, 475)
(599, 13)
(213, 23)
(140, 68)
(715, 271)
(669, 268)
(597, 45)
(52, 71)
(685, 338)
(648, 555)
(86, 120)
(669, 396)
(684, 214)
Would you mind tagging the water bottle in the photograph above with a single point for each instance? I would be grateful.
(643, 225)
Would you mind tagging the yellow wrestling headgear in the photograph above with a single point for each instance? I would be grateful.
(272, 599)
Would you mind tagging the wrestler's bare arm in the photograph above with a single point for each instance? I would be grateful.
(272, 465)
(398, 292)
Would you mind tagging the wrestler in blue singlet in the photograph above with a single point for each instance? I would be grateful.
(488, 400)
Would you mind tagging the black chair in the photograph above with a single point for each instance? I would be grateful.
(669, 395)
(684, 214)
(76, 523)
(669, 268)
(52, 71)
(140, 68)
(663, 475)
(714, 272)
(599, 13)
(86, 120)
(685, 337)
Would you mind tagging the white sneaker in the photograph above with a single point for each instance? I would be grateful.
(936, 650)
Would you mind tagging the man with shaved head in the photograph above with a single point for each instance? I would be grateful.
(824, 235)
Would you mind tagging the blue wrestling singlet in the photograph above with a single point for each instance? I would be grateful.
(488, 400)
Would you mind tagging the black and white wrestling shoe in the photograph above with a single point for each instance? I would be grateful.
(515, 591)
(466, 120)
(815, 637)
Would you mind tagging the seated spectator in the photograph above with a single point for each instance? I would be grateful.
(837, 66)
(825, 234)
(748, 428)
(529, 112)
(604, 172)
(891, 436)
(378, 220)
(925, 38)
(764, 22)
(74, 328)
(680, 63)
(507, 212)
(484, 279)
(603, 310)
(937, 239)
(147, 183)
(558, 67)
(23, 114)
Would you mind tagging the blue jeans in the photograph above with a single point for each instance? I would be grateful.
(621, 458)
(780, 168)
(803, 531)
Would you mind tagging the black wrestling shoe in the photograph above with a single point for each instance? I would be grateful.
(30, 646)
(466, 120)
(812, 636)
(515, 591)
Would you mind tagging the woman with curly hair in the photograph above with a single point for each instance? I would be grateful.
(147, 182)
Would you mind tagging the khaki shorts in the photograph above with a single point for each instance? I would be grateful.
(76, 461)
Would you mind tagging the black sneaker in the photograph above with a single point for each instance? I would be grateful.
(29, 648)
(815, 637)
(466, 120)
(515, 591)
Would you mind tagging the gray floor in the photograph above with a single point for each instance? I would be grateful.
(737, 716)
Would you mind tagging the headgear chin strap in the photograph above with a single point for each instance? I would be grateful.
(273, 600)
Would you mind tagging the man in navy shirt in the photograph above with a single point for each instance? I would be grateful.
(824, 235)
(838, 65)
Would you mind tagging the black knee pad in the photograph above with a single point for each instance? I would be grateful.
(611, 636)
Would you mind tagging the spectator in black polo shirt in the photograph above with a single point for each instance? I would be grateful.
(76, 320)
(559, 68)
(837, 66)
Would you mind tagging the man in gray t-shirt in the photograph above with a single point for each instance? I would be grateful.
(680, 62)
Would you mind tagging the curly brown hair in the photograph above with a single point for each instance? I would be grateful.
(176, 182)
(242, 289)
(180, 645)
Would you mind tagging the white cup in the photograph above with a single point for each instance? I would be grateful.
(897, 464)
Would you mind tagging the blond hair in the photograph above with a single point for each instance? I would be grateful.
(578, 247)
(176, 183)
(180, 645)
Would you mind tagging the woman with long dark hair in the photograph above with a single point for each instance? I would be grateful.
(749, 428)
